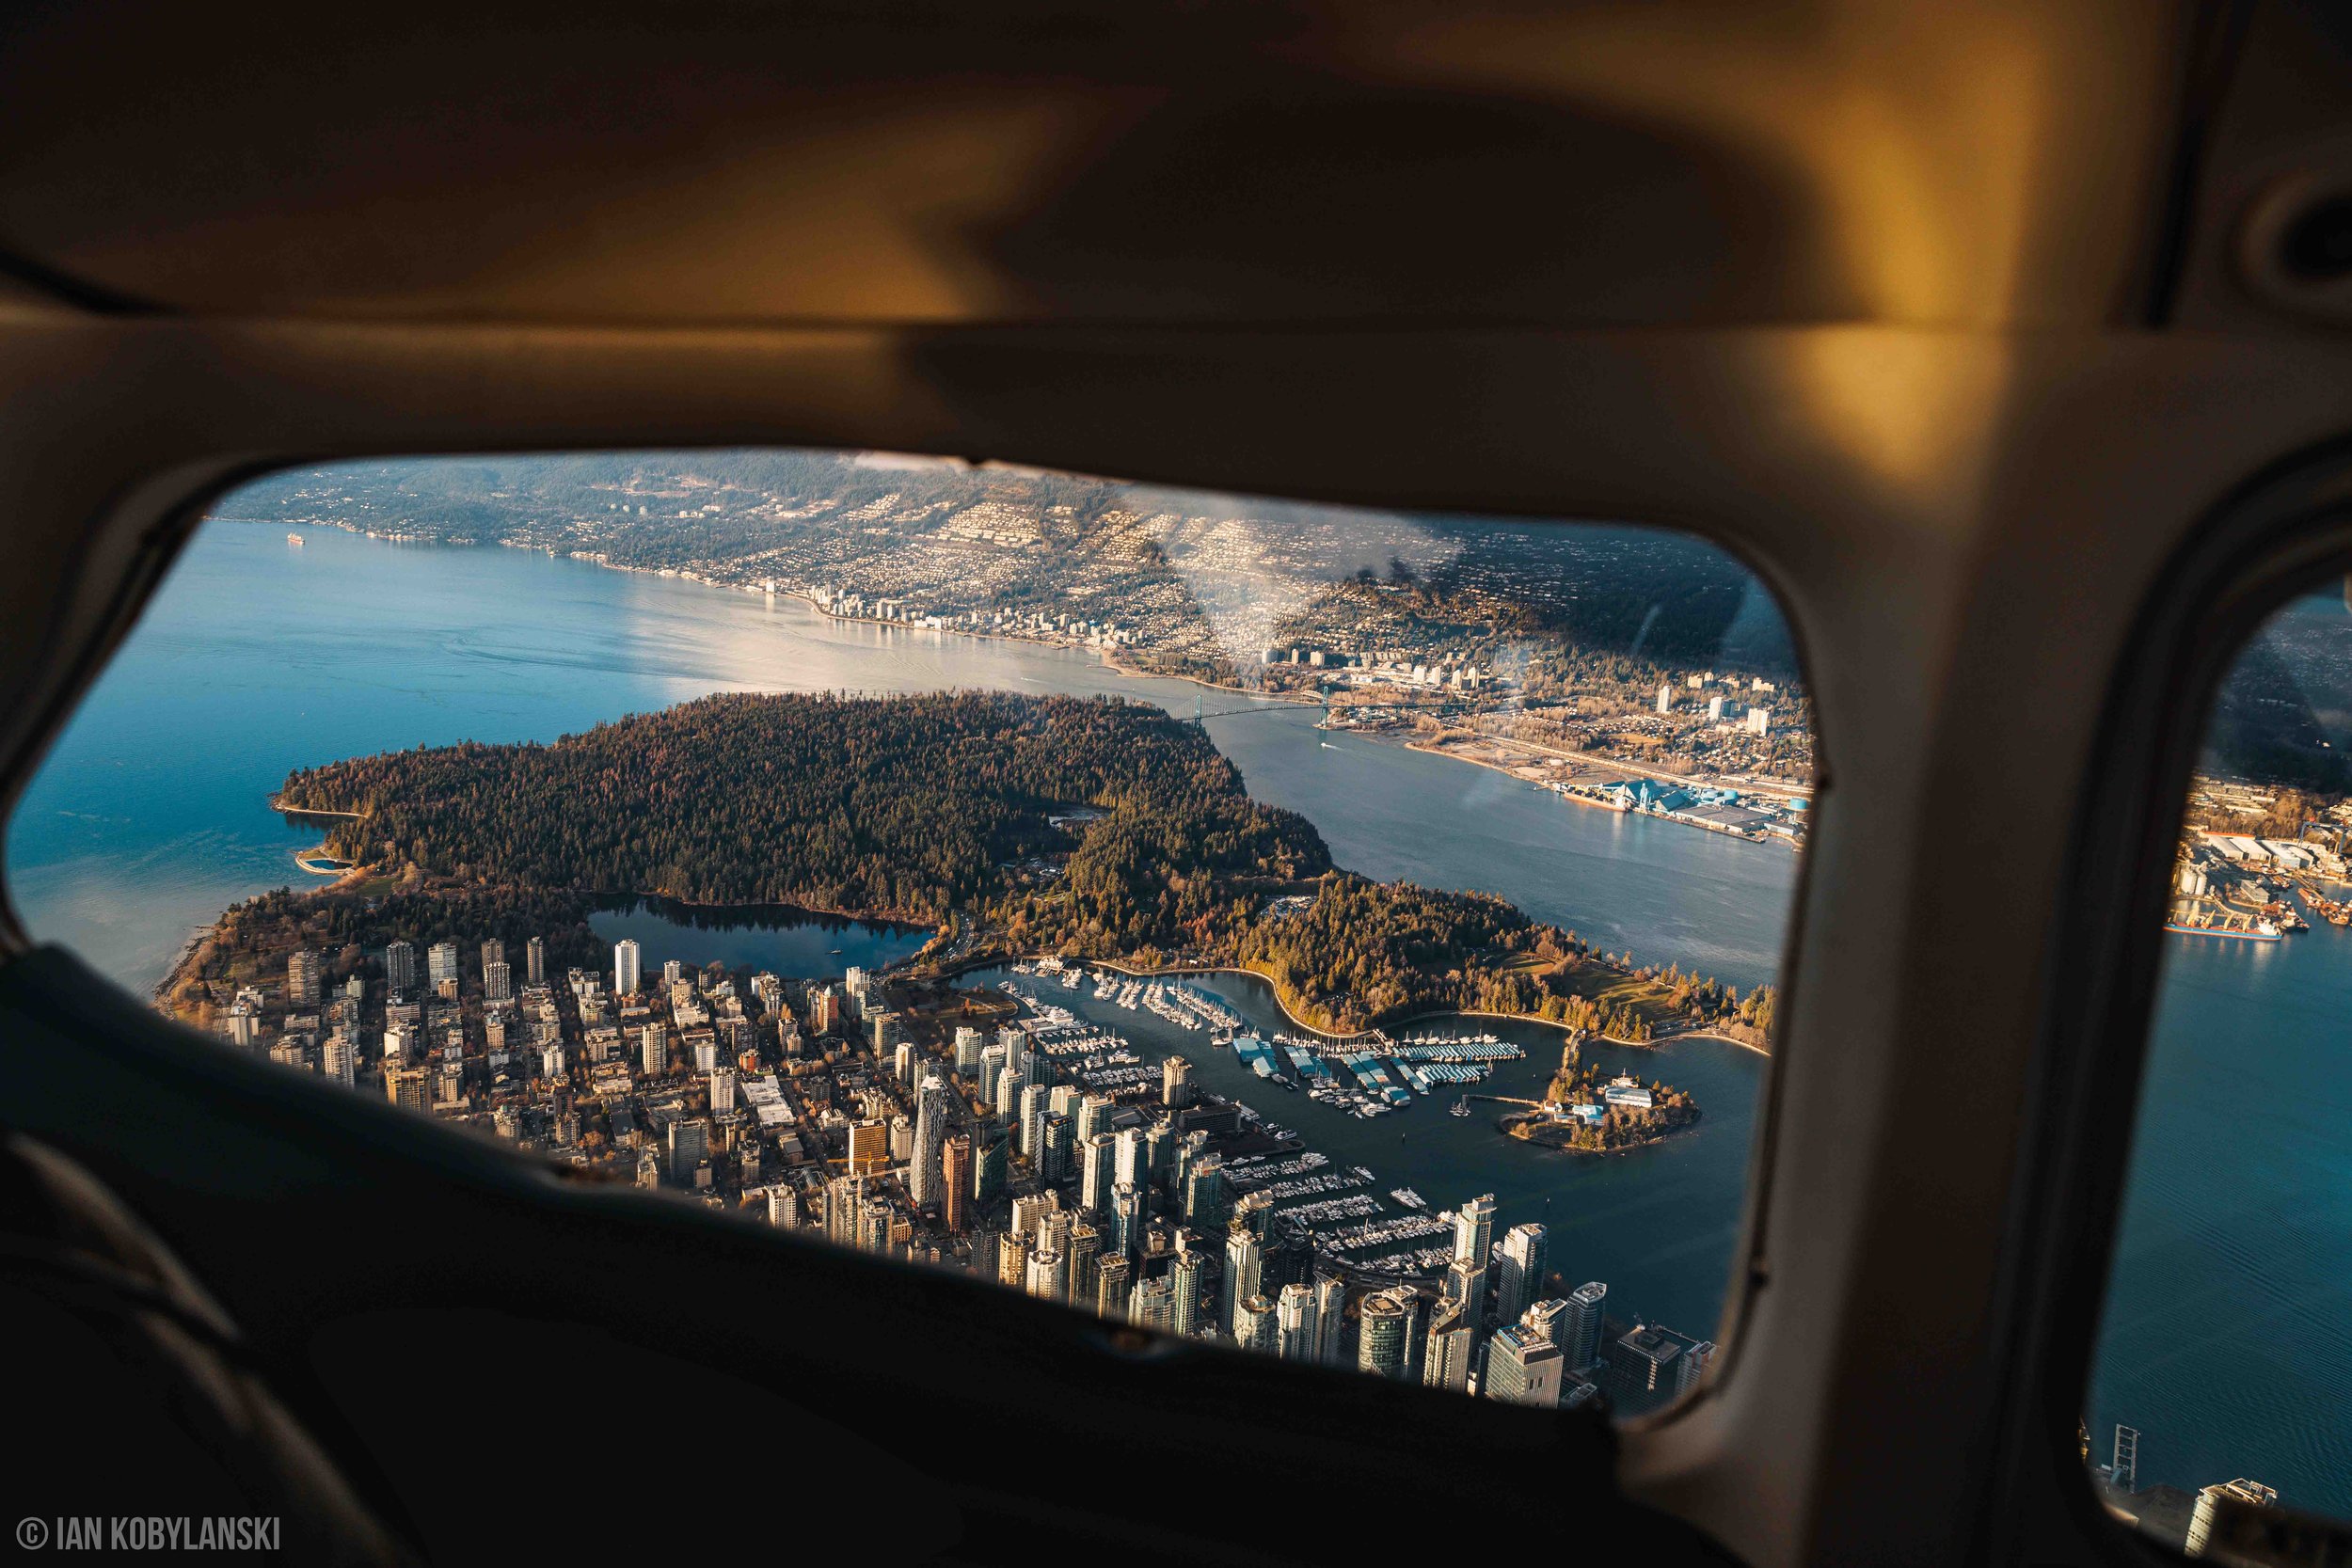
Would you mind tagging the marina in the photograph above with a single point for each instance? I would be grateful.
(1367, 1076)
(1355, 1183)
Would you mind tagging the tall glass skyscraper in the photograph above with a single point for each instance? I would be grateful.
(1520, 1281)
(1380, 1336)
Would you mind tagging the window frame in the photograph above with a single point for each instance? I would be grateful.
(2283, 532)
(160, 548)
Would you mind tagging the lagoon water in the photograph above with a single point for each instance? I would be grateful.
(777, 937)
(2227, 1334)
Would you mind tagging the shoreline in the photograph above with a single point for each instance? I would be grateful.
(1134, 973)
(277, 803)
(1581, 760)
(1651, 1142)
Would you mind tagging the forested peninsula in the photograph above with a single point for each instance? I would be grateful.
(1090, 828)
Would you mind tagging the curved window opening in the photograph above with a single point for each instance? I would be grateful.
(1347, 934)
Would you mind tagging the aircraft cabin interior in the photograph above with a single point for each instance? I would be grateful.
(1178, 781)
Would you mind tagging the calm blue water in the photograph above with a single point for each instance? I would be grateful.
(258, 658)
(778, 939)
(2228, 1335)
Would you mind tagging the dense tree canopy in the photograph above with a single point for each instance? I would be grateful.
(942, 807)
(907, 806)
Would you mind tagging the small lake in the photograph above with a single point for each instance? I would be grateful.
(774, 937)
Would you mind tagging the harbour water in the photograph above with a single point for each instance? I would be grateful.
(1657, 1225)
(256, 658)
(2227, 1340)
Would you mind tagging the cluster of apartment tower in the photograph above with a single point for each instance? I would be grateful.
(1112, 1206)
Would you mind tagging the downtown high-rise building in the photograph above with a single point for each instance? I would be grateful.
(535, 962)
(722, 1081)
(1083, 1246)
(1522, 1369)
(1029, 1212)
(1297, 1334)
(1055, 1146)
(302, 979)
(1473, 1242)
(1207, 1201)
(1244, 1254)
(844, 1196)
(1009, 1087)
(1049, 1277)
(1113, 1277)
(1098, 1166)
(626, 974)
(441, 965)
(1012, 1260)
(1382, 1326)
(1255, 1324)
(1580, 1328)
(926, 1163)
(874, 1220)
(1127, 1232)
(969, 1042)
(1184, 1285)
(498, 982)
(1647, 1366)
(1445, 1360)
(1132, 1164)
(988, 1167)
(1033, 1112)
(1548, 1320)
(1464, 1281)
(2213, 1499)
(1151, 1303)
(1521, 1279)
(400, 968)
(869, 1147)
(1331, 1320)
(956, 1189)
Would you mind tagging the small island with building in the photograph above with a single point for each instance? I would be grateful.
(1585, 1113)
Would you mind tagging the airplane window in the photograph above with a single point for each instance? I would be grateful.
(2219, 1385)
(1349, 934)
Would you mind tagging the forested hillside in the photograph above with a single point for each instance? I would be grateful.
(941, 809)
(904, 806)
